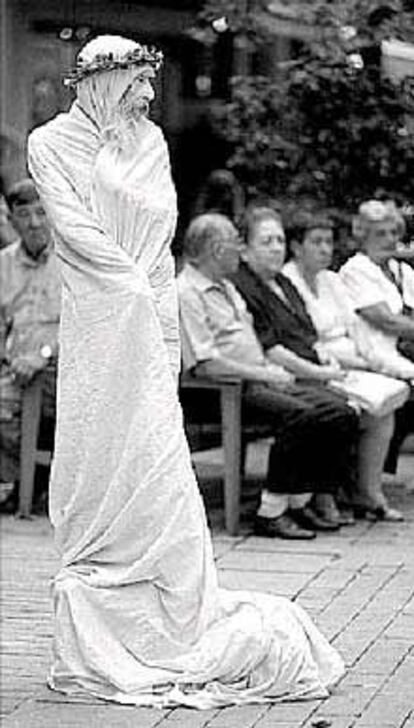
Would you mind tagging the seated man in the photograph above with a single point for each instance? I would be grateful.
(29, 319)
(313, 436)
(381, 289)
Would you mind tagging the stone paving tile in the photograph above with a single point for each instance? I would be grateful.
(289, 563)
(279, 724)
(357, 584)
(320, 545)
(38, 715)
(46, 695)
(383, 657)
(409, 723)
(334, 576)
(270, 582)
(351, 601)
(294, 713)
(394, 701)
(369, 625)
(383, 710)
(402, 627)
(234, 717)
(361, 723)
(409, 607)
(329, 721)
(187, 718)
(222, 548)
(350, 703)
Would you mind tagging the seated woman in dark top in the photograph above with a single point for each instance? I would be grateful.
(289, 338)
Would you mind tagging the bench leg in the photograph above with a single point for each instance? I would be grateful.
(231, 434)
(31, 411)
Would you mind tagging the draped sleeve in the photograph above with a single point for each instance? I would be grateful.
(95, 260)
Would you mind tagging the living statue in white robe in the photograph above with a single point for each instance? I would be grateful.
(139, 617)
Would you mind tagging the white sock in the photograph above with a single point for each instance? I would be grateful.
(272, 505)
(299, 500)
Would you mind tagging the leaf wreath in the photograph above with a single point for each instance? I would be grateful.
(108, 62)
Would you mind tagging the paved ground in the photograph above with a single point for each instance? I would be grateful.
(358, 586)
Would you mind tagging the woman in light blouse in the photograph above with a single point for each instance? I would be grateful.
(340, 342)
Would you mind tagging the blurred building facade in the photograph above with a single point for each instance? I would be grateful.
(40, 41)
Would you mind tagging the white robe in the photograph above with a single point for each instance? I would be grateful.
(139, 616)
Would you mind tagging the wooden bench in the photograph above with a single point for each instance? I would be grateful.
(233, 440)
(230, 392)
(230, 431)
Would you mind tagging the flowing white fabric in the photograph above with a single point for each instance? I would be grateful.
(139, 617)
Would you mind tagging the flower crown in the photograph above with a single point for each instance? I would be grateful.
(109, 62)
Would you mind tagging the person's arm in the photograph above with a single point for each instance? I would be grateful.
(381, 316)
(365, 285)
(301, 367)
(25, 367)
(82, 241)
(220, 366)
(200, 354)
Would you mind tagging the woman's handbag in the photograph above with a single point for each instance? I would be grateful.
(374, 393)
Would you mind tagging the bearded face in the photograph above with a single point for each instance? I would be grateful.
(136, 100)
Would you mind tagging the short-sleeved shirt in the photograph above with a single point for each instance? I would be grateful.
(278, 321)
(30, 293)
(214, 321)
(368, 285)
(332, 313)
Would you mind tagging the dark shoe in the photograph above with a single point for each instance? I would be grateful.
(364, 513)
(307, 518)
(40, 505)
(346, 517)
(326, 507)
(281, 527)
(340, 517)
(385, 513)
(378, 513)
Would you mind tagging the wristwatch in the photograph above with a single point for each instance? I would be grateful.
(46, 352)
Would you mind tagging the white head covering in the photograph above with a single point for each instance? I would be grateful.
(105, 45)
(99, 95)
(100, 91)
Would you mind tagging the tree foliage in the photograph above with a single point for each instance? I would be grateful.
(330, 126)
